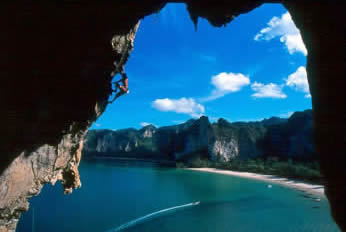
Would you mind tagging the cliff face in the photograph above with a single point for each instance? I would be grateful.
(293, 138)
(179, 141)
(124, 143)
(172, 142)
(242, 140)
(56, 57)
(28, 172)
(47, 114)
(219, 141)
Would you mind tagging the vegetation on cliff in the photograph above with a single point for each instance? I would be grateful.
(273, 146)
(221, 141)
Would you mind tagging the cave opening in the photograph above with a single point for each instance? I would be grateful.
(61, 53)
(187, 64)
(186, 77)
(227, 73)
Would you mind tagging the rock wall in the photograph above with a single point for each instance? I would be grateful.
(240, 139)
(28, 172)
(324, 38)
(294, 138)
(55, 66)
(125, 143)
(220, 141)
(56, 57)
(165, 143)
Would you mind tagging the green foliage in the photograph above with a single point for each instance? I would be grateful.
(180, 165)
(273, 166)
(307, 171)
(196, 161)
(199, 162)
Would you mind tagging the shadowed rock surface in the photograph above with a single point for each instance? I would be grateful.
(56, 57)
(292, 139)
(220, 141)
(55, 67)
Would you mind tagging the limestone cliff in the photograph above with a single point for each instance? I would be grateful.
(240, 139)
(51, 150)
(125, 143)
(293, 138)
(171, 142)
(28, 172)
(219, 141)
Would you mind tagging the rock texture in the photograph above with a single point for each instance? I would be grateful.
(294, 138)
(242, 140)
(167, 143)
(324, 38)
(46, 110)
(28, 172)
(56, 57)
(125, 143)
(221, 141)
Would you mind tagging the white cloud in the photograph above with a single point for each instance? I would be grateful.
(97, 124)
(182, 106)
(230, 82)
(267, 91)
(284, 28)
(299, 81)
(225, 83)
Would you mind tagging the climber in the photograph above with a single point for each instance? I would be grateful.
(123, 89)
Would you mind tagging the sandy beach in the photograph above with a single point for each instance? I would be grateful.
(300, 185)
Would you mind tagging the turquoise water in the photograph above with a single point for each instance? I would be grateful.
(115, 195)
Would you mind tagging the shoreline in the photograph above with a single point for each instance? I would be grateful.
(314, 189)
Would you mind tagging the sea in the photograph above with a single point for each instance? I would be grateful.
(142, 196)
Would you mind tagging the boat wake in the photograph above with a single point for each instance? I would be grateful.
(151, 215)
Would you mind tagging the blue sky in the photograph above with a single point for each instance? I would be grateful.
(253, 68)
